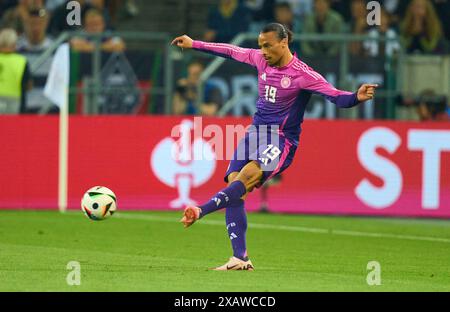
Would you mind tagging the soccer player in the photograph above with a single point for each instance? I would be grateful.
(285, 86)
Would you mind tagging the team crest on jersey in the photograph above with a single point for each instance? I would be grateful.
(264, 77)
(286, 82)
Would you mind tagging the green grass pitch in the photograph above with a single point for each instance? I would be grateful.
(151, 251)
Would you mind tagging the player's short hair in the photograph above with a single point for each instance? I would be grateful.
(281, 30)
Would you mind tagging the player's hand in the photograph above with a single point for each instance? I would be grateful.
(184, 42)
(366, 92)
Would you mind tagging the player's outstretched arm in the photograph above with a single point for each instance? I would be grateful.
(366, 92)
(344, 99)
(248, 56)
(315, 83)
(184, 42)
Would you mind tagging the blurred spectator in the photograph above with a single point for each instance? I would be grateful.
(30, 44)
(323, 21)
(421, 29)
(396, 10)
(227, 20)
(380, 48)
(129, 7)
(94, 23)
(15, 77)
(260, 10)
(305, 8)
(186, 95)
(15, 17)
(99, 5)
(35, 37)
(264, 11)
(284, 15)
(51, 5)
(299, 8)
(359, 25)
(430, 106)
(343, 7)
(5, 5)
(58, 21)
(443, 10)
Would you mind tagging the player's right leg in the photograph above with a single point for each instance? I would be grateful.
(190, 215)
(238, 186)
(230, 196)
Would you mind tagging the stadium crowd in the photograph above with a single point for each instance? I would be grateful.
(420, 26)
(38, 22)
(423, 26)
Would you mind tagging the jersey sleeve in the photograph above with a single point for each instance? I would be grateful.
(315, 83)
(243, 55)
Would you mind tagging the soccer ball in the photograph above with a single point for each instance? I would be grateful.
(98, 203)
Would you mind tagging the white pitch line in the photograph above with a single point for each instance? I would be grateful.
(388, 235)
(299, 229)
